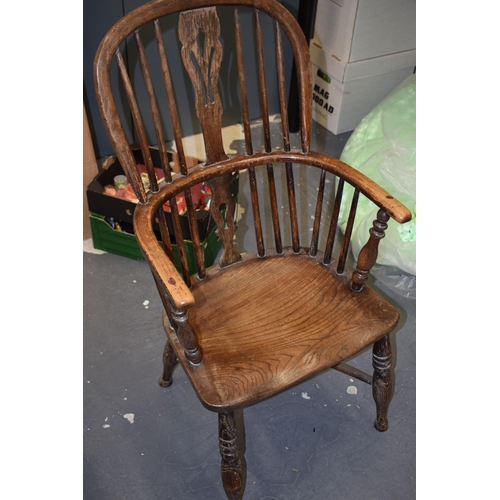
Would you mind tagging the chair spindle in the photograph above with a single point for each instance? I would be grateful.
(256, 212)
(242, 83)
(327, 258)
(293, 207)
(248, 133)
(267, 130)
(179, 239)
(193, 226)
(347, 234)
(262, 83)
(281, 87)
(154, 112)
(274, 209)
(286, 137)
(133, 175)
(313, 250)
(138, 123)
(167, 81)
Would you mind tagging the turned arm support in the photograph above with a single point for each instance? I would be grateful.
(178, 319)
(368, 255)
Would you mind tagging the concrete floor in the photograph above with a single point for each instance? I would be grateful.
(316, 441)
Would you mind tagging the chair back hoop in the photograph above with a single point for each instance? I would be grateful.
(198, 23)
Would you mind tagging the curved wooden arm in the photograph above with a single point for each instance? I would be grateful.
(178, 292)
(358, 180)
(163, 268)
(365, 185)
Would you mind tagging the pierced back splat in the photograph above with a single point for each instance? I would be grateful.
(221, 195)
(199, 32)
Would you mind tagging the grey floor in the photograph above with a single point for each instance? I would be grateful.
(316, 441)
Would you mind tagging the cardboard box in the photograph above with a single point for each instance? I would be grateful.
(344, 93)
(355, 30)
(121, 209)
(89, 171)
(111, 218)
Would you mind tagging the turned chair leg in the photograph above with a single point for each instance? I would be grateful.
(169, 362)
(231, 464)
(170, 359)
(382, 381)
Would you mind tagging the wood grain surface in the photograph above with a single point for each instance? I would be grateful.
(265, 324)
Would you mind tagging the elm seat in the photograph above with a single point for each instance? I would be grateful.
(252, 325)
(267, 324)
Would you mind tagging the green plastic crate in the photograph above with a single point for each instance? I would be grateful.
(125, 244)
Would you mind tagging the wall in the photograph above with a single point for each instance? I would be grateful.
(89, 172)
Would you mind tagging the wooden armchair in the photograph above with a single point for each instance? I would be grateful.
(253, 324)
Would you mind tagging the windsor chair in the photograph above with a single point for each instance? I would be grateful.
(258, 323)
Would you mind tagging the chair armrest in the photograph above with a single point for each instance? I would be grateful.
(365, 185)
(358, 180)
(162, 267)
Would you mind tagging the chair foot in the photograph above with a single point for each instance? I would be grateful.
(381, 424)
(164, 383)
(169, 363)
(382, 384)
(231, 464)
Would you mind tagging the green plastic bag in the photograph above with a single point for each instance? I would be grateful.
(383, 148)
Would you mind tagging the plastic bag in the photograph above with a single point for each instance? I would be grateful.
(383, 148)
